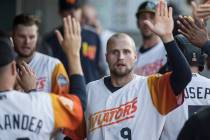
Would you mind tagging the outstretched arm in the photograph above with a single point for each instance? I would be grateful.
(71, 44)
(197, 34)
(163, 26)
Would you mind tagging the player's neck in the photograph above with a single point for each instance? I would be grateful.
(26, 59)
(194, 69)
(151, 42)
(121, 81)
(5, 86)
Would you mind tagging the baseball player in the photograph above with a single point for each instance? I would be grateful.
(36, 116)
(197, 92)
(50, 73)
(152, 54)
(126, 106)
(91, 46)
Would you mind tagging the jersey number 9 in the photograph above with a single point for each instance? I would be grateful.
(126, 133)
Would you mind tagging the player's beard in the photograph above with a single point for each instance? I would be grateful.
(148, 36)
(23, 55)
(121, 73)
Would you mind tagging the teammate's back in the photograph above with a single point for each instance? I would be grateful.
(35, 115)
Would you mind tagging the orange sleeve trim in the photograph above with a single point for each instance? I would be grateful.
(68, 114)
(162, 93)
(60, 80)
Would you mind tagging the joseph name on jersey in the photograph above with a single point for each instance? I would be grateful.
(35, 116)
(50, 72)
(137, 110)
(197, 95)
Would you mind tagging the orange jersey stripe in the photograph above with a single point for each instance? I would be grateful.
(60, 80)
(162, 94)
(68, 114)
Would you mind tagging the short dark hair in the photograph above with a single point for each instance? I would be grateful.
(25, 19)
(6, 50)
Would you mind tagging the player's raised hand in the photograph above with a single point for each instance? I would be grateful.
(71, 40)
(164, 24)
(26, 78)
(71, 44)
(194, 31)
(201, 11)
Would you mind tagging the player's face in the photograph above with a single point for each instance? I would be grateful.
(146, 32)
(25, 40)
(121, 57)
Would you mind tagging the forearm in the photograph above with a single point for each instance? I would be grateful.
(181, 73)
(206, 48)
(77, 87)
(74, 64)
(77, 82)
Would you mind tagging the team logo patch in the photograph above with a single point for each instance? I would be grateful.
(62, 80)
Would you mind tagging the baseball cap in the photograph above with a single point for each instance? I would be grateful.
(193, 54)
(6, 51)
(69, 4)
(147, 6)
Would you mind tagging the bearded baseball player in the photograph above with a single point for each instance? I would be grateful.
(37, 115)
(126, 106)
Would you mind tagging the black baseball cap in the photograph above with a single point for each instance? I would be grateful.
(69, 4)
(193, 54)
(147, 6)
(7, 54)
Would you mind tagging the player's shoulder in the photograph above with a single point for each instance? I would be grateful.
(95, 83)
(198, 77)
(86, 32)
(33, 97)
(47, 59)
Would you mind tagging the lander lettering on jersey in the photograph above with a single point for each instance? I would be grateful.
(35, 116)
(22, 122)
(134, 111)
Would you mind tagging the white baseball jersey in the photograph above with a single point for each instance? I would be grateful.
(197, 95)
(51, 74)
(35, 116)
(136, 111)
(151, 61)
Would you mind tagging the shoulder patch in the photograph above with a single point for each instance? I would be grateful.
(62, 80)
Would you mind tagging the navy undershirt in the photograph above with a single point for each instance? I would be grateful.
(77, 87)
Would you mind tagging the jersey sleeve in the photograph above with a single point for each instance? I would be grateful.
(60, 80)
(163, 97)
(68, 115)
